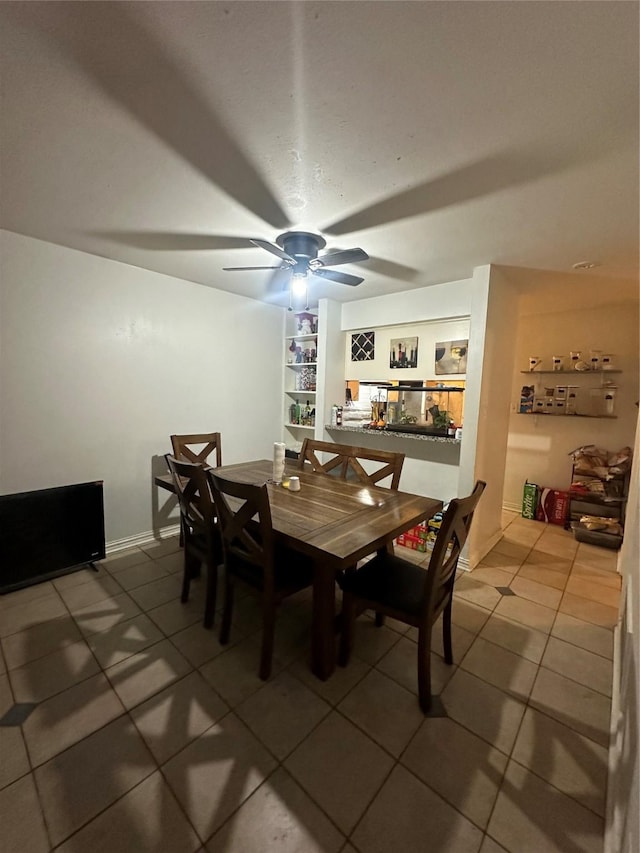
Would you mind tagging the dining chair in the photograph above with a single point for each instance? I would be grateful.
(184, 447)
(202, 544)
(345, 462)
(252, 555)
(411, 593)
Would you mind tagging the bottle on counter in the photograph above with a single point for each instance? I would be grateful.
(334, 415)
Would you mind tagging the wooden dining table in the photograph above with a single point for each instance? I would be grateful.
(336, 522)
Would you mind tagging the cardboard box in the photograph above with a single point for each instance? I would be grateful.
(413, 542)
(529, 500)
(553, 506)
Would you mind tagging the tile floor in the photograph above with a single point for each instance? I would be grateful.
(143, 734)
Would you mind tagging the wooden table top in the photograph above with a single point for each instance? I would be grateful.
(342, 519)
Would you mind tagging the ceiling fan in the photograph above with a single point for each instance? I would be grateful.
(298, 253)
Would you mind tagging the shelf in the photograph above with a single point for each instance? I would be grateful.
(311, 337)
(308, 393)
(302, 364)
(577, 415)
(569, 372)
(298, 426)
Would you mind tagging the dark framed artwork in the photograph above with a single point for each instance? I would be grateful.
(363, 346)
(403, 352)
(451, 357)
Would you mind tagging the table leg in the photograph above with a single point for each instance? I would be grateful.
(323, 648)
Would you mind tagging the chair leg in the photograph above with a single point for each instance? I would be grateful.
(424, 670)
(379, 619)
(188, 572)
(225, 627)
(346, 636)
(212, 588)
(268, 630)
(446, 634)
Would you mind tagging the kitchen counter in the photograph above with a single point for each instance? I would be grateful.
(441, 439)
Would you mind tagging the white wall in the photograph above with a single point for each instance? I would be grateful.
(101, 362)
(539, 446)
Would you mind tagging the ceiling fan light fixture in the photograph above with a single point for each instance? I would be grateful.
(299, 284)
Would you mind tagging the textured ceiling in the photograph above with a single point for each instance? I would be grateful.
(438, 136)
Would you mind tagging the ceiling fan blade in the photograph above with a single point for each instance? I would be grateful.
(121, 54)
(236, 269)
(275, 250)
(346, 256)
(340, 277)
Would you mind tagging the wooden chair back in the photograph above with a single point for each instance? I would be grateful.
(183, 448)
(345, 462)
(194, 496)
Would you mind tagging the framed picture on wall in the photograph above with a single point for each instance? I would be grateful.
(451, 357)
(403, 352)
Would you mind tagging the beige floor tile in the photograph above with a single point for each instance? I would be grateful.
(30, 613)
(570, 762)
(145, 673)
(147, 818)
(278, 818)
(492, 576)
(105, 614)
(175, 615)
(39, 640)
(162, 547)
(511, 549)
(459, 766)
(384, 710)
(123, 640)
(469, 616)
(371, 643)
(504, 562)
(234, 673)
(157, 592)
(598, 558)
(22, 828)
(524, 641)
(418, 814)
(594, 591)
(543, 575)
(606, 578)
(179, 714)
(461, 640)
(538, 592)
(282, 713)
(526, 612)
(90, 592)
(573, 704)
(491, 846)
(216, 773)
(340, 768)
(580, 665)
(199, 644)
(292, 638)
(70, 716)
(583, 634)
(483, 709)
(78, 784)
(530, 816)
(120, 560)
(140, 575)
(553, 562)
(500, 667)
(26, 595)
(15, 762)
(51, 674)
(522, 534)
(77, 578)
(558, 546)
(589, 611)
(401, 664)
(476, 592)
(171, 563)
(334, 689)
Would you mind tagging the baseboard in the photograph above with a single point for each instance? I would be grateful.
(139, 539)
(510, 507)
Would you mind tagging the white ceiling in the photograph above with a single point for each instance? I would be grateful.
(438, 136)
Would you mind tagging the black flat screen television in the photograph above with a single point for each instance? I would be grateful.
(50, 532)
